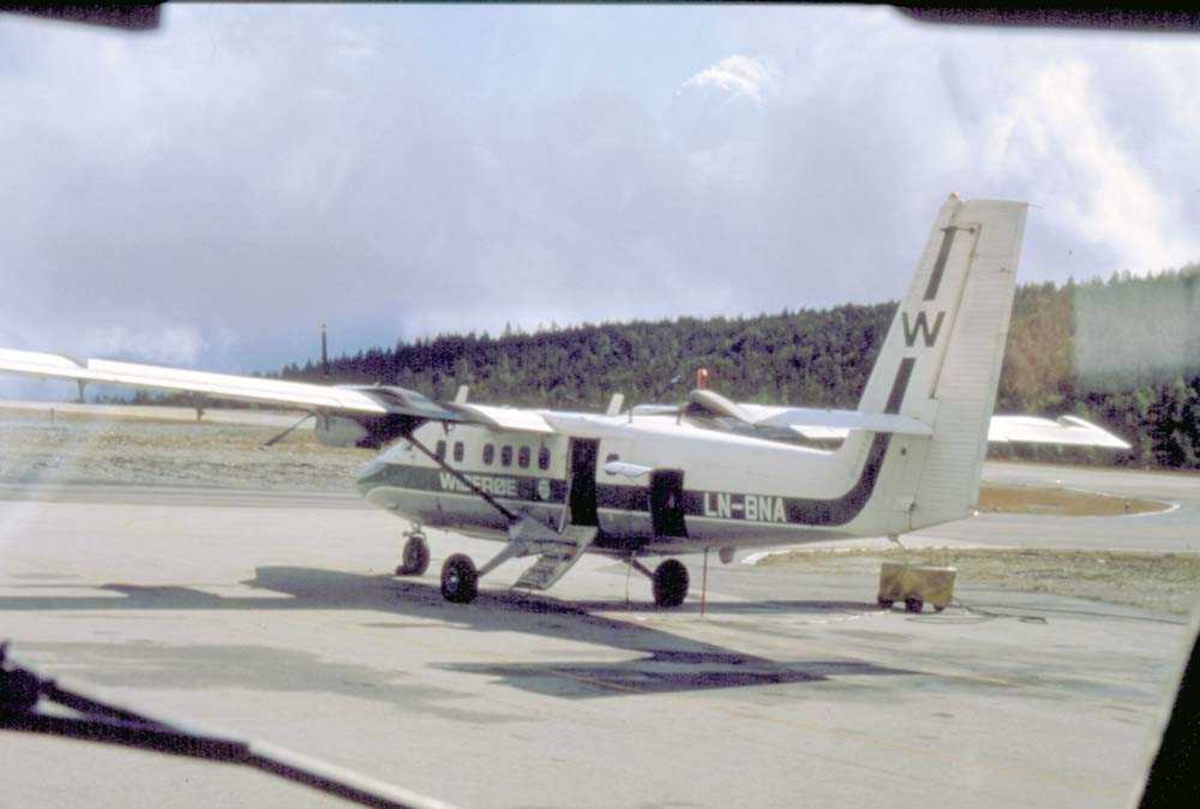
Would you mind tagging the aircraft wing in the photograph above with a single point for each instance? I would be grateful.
(503, 418)
(379, 413)
(816, 423)
(1065, 430)
(1070, 430)
(219, 386)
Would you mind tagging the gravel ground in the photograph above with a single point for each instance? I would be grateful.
(130, 453)
(1164, 582)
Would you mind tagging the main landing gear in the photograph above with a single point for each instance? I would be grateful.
(460, 579)
(414, 560)
(670, 583)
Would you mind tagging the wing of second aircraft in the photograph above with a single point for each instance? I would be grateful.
(817, 423)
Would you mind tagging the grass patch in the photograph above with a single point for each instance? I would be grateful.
(1002, 499)
(1164, 582)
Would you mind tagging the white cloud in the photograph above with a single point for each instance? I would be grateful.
(738, 76)
(173, 345)
(248, 172)
(1052, 134)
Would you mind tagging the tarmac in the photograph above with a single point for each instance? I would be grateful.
(273, 615)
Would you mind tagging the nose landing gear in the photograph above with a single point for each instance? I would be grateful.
(415, 557)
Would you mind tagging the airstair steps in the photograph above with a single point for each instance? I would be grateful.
(557, 556)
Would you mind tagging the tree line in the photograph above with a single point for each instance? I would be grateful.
(1124, 352)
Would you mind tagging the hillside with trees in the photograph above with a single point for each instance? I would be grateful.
(1123, 352)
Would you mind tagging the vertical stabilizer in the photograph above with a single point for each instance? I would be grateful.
(940, 362)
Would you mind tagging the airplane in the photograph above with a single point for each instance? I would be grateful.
(710, 473)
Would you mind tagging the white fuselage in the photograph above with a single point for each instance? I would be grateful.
(723, 489)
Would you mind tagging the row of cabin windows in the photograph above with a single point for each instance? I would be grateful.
(524, 455)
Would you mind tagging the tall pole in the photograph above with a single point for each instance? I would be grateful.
(324, 351)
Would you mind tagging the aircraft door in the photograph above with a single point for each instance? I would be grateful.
(666, 503)
(581, 498)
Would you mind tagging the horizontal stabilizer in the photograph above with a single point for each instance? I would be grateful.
(801, 419)
(818, 424)
(809, 418)
(815, 433)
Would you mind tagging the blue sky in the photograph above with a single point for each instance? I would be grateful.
(207, 194)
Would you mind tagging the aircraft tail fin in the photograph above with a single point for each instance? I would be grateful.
(940, 362)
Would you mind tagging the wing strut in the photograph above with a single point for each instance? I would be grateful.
(275, 439)
(487, 498)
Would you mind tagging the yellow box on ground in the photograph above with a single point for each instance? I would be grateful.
(915, 585)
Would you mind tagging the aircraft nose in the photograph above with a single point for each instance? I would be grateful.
(369, 474)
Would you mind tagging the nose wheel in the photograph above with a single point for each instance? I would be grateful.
(415, 558)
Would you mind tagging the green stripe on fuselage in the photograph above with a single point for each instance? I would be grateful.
(530, 488)
(732, 506)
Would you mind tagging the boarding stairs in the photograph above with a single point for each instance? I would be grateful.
(557, 553)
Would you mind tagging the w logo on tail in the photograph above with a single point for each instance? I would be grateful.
(920, 325)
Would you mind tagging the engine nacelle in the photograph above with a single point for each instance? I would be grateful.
(338, 431)
(368, 432)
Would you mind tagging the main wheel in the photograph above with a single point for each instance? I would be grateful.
(415, 559)
(913, 604)
(460, 580)
(670, 583)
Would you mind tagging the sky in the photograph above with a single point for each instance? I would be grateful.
(207, 194)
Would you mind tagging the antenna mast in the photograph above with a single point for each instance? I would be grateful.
(324, 351)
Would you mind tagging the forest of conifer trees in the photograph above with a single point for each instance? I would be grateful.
(1123, 352)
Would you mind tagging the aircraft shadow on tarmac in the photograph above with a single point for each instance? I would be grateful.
(666, 662)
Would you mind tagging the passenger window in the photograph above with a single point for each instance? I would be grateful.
(458, 451)
(441, 451)
(489, 453)
(543, 458)
(506, 455)
(523, 457)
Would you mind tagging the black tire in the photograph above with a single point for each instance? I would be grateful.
(460, 580)
(913, 605)
(885, 603)
(670, 583)
(415, 558)
(936, 608)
